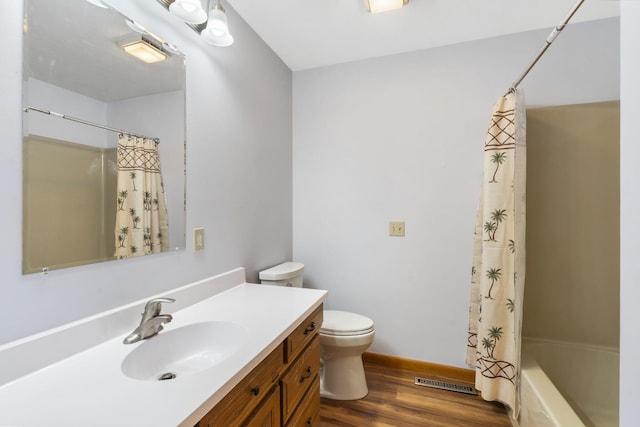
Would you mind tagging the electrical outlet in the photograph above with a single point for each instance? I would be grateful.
(198, 239)
(396, 228)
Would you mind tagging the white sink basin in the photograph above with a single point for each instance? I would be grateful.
(184, 351)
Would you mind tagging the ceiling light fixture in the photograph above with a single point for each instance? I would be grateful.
(144, 51)
(377, 6)
(212, 26)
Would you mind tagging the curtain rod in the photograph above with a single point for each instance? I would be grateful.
(550, 39)
(85, 122)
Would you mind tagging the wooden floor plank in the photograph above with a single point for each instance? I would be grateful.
(395, 401)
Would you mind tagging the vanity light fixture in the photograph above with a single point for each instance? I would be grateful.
(377, 6)
(211, 22)
(189, 11)
(217, 30)
(144, 51)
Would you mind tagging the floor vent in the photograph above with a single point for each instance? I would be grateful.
(445, 385)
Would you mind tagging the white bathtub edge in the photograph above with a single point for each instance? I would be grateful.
(554, 404)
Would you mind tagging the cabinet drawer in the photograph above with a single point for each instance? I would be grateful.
(308, 413)
(302, 335)
(236, 406)
(297, 380)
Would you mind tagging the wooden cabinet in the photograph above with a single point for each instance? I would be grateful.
(283, 390)
(239, 403)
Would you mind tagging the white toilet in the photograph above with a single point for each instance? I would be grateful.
(344, 336)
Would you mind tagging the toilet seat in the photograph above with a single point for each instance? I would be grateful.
(344, 323)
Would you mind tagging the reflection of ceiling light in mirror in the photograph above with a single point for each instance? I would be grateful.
(135, 26)
(190, 11)
(98, 3)
(217, 30)
(144, 51)
(377, 6)
(170, 48)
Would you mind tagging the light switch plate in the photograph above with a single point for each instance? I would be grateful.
(198, 239)
(396, 228)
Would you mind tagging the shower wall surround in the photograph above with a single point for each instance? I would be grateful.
(573, 223)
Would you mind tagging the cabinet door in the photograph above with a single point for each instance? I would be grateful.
(236, 406)
(297, 380)
(308, 412)
(268, 413)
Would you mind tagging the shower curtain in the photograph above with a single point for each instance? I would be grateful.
(497, 273)
(141, 216)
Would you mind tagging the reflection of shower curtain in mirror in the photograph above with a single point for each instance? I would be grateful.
(141, 217)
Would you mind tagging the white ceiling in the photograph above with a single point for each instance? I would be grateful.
(308, 34)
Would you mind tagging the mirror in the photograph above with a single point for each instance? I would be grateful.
(80, 90)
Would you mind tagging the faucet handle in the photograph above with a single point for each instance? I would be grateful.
(152, 307)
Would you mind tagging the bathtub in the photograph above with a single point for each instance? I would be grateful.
(568, 385)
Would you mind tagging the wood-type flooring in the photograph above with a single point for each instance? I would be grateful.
(395, 401)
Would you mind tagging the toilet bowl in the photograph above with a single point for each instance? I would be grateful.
(344, 336)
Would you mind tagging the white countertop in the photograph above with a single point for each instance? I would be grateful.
(89, 388)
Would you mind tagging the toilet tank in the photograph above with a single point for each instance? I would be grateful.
(285, 274)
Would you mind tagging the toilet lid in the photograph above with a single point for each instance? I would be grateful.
(344, 323)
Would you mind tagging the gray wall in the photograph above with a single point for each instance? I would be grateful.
(238, 179)
(629, 208)
(401, 138)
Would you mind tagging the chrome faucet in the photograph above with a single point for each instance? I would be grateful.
(151, 322)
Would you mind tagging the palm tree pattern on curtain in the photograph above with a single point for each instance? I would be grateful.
(141, 216)
(497, 273)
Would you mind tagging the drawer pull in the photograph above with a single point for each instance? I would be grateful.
(310, 421)
(255, 391)
(310, 328)
(307, 375)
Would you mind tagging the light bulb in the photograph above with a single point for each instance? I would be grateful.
(217, 30)
(190, 11)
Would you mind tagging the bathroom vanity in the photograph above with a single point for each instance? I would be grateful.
(283, 390)
(77, 375)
